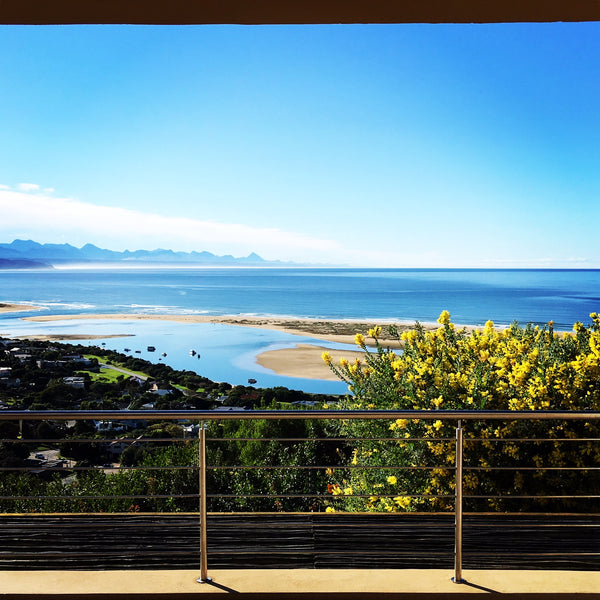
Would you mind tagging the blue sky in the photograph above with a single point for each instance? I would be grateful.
(366, 145)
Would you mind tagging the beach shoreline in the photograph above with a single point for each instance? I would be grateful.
(70, 337)
(305, 360)
(331, 330)
(6, 307)
(301, 361)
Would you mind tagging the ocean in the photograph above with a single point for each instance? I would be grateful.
(227, 353)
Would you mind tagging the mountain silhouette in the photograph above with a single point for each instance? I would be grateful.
(50, 254)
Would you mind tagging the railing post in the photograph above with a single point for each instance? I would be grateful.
(202, 502)
(458, 508)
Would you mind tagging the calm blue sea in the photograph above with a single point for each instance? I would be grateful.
(227, 353)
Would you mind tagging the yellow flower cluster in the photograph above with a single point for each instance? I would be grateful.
(375, 332)
(514, 368)
(493, 368)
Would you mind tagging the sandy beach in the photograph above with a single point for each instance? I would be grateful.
(70, 337)
(304, 361)
(7, 308)
(333, 331)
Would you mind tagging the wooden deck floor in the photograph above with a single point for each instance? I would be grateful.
(299, 584)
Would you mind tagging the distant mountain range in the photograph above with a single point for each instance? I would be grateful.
(29, 254)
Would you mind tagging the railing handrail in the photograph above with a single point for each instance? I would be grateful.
(212, 415)
(204, 416)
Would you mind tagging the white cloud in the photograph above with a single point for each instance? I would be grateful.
(4, 187)
(28, 187)
(48, 219)
(44, 218)
(572, 262)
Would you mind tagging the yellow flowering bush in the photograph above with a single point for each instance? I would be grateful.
(514, 368)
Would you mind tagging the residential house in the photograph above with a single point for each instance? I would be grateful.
(75, 382)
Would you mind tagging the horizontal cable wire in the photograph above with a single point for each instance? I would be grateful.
(302, 415)
(468, 417)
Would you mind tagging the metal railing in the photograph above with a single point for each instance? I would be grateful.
(203, 495)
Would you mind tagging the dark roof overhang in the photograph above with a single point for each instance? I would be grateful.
(300, 12)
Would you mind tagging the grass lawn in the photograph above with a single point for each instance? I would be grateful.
(108, 375)
(101, 359)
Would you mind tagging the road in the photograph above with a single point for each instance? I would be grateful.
(124, 371)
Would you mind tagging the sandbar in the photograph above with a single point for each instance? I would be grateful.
(341, 331)
(5, 308)
(304, 360)
(58, 337)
